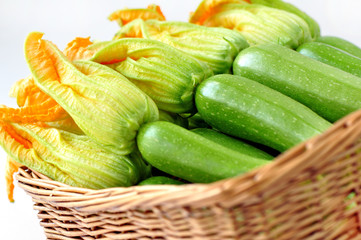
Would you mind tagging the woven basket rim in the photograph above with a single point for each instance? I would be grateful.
(221, 192)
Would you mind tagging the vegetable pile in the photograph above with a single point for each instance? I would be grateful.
(167, 102)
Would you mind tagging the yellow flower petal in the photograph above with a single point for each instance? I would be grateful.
(125, 16)
(10, 169)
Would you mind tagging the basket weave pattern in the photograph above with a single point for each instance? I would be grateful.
(310, 192)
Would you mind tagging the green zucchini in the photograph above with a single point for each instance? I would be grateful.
(247, 109)
(332, 56)
(341, 43)
(189, 156)
(328, 91)
(233, 143)
(157, 180)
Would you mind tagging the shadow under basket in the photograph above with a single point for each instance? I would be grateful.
(310, 192)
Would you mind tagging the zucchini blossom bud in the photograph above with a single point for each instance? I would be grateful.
(259, 24)
(215, 46)
(164, 73)
(73, 159)
(103, 103)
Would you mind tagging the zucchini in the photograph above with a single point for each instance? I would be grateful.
(247, 109)
(189, 156)
(233, 143)
(341, 43)
(332, 56)
(330, 92)
(157, 180)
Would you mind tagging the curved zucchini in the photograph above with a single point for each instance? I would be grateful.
(330, 92)
(247, 109)
(341, 43)
(233, 143)
(332, 56)
(189, 156)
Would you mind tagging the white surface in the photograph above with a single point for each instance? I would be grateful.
(62, 20)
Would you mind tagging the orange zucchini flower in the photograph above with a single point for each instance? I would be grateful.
(216, 47)
(125, 16)
(69, 158)
(166, 74)
(259, 24)
(103, 103)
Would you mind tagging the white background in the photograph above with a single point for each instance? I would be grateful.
(63, 20)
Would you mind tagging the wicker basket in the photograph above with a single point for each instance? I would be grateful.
(310, 192)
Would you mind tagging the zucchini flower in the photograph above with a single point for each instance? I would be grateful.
(279, 4)
(217, 47)
(36, 107)
(102, 102)
(82, 48)
(163, 72)
(257, 23)
(76, 160)
(124, 16)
